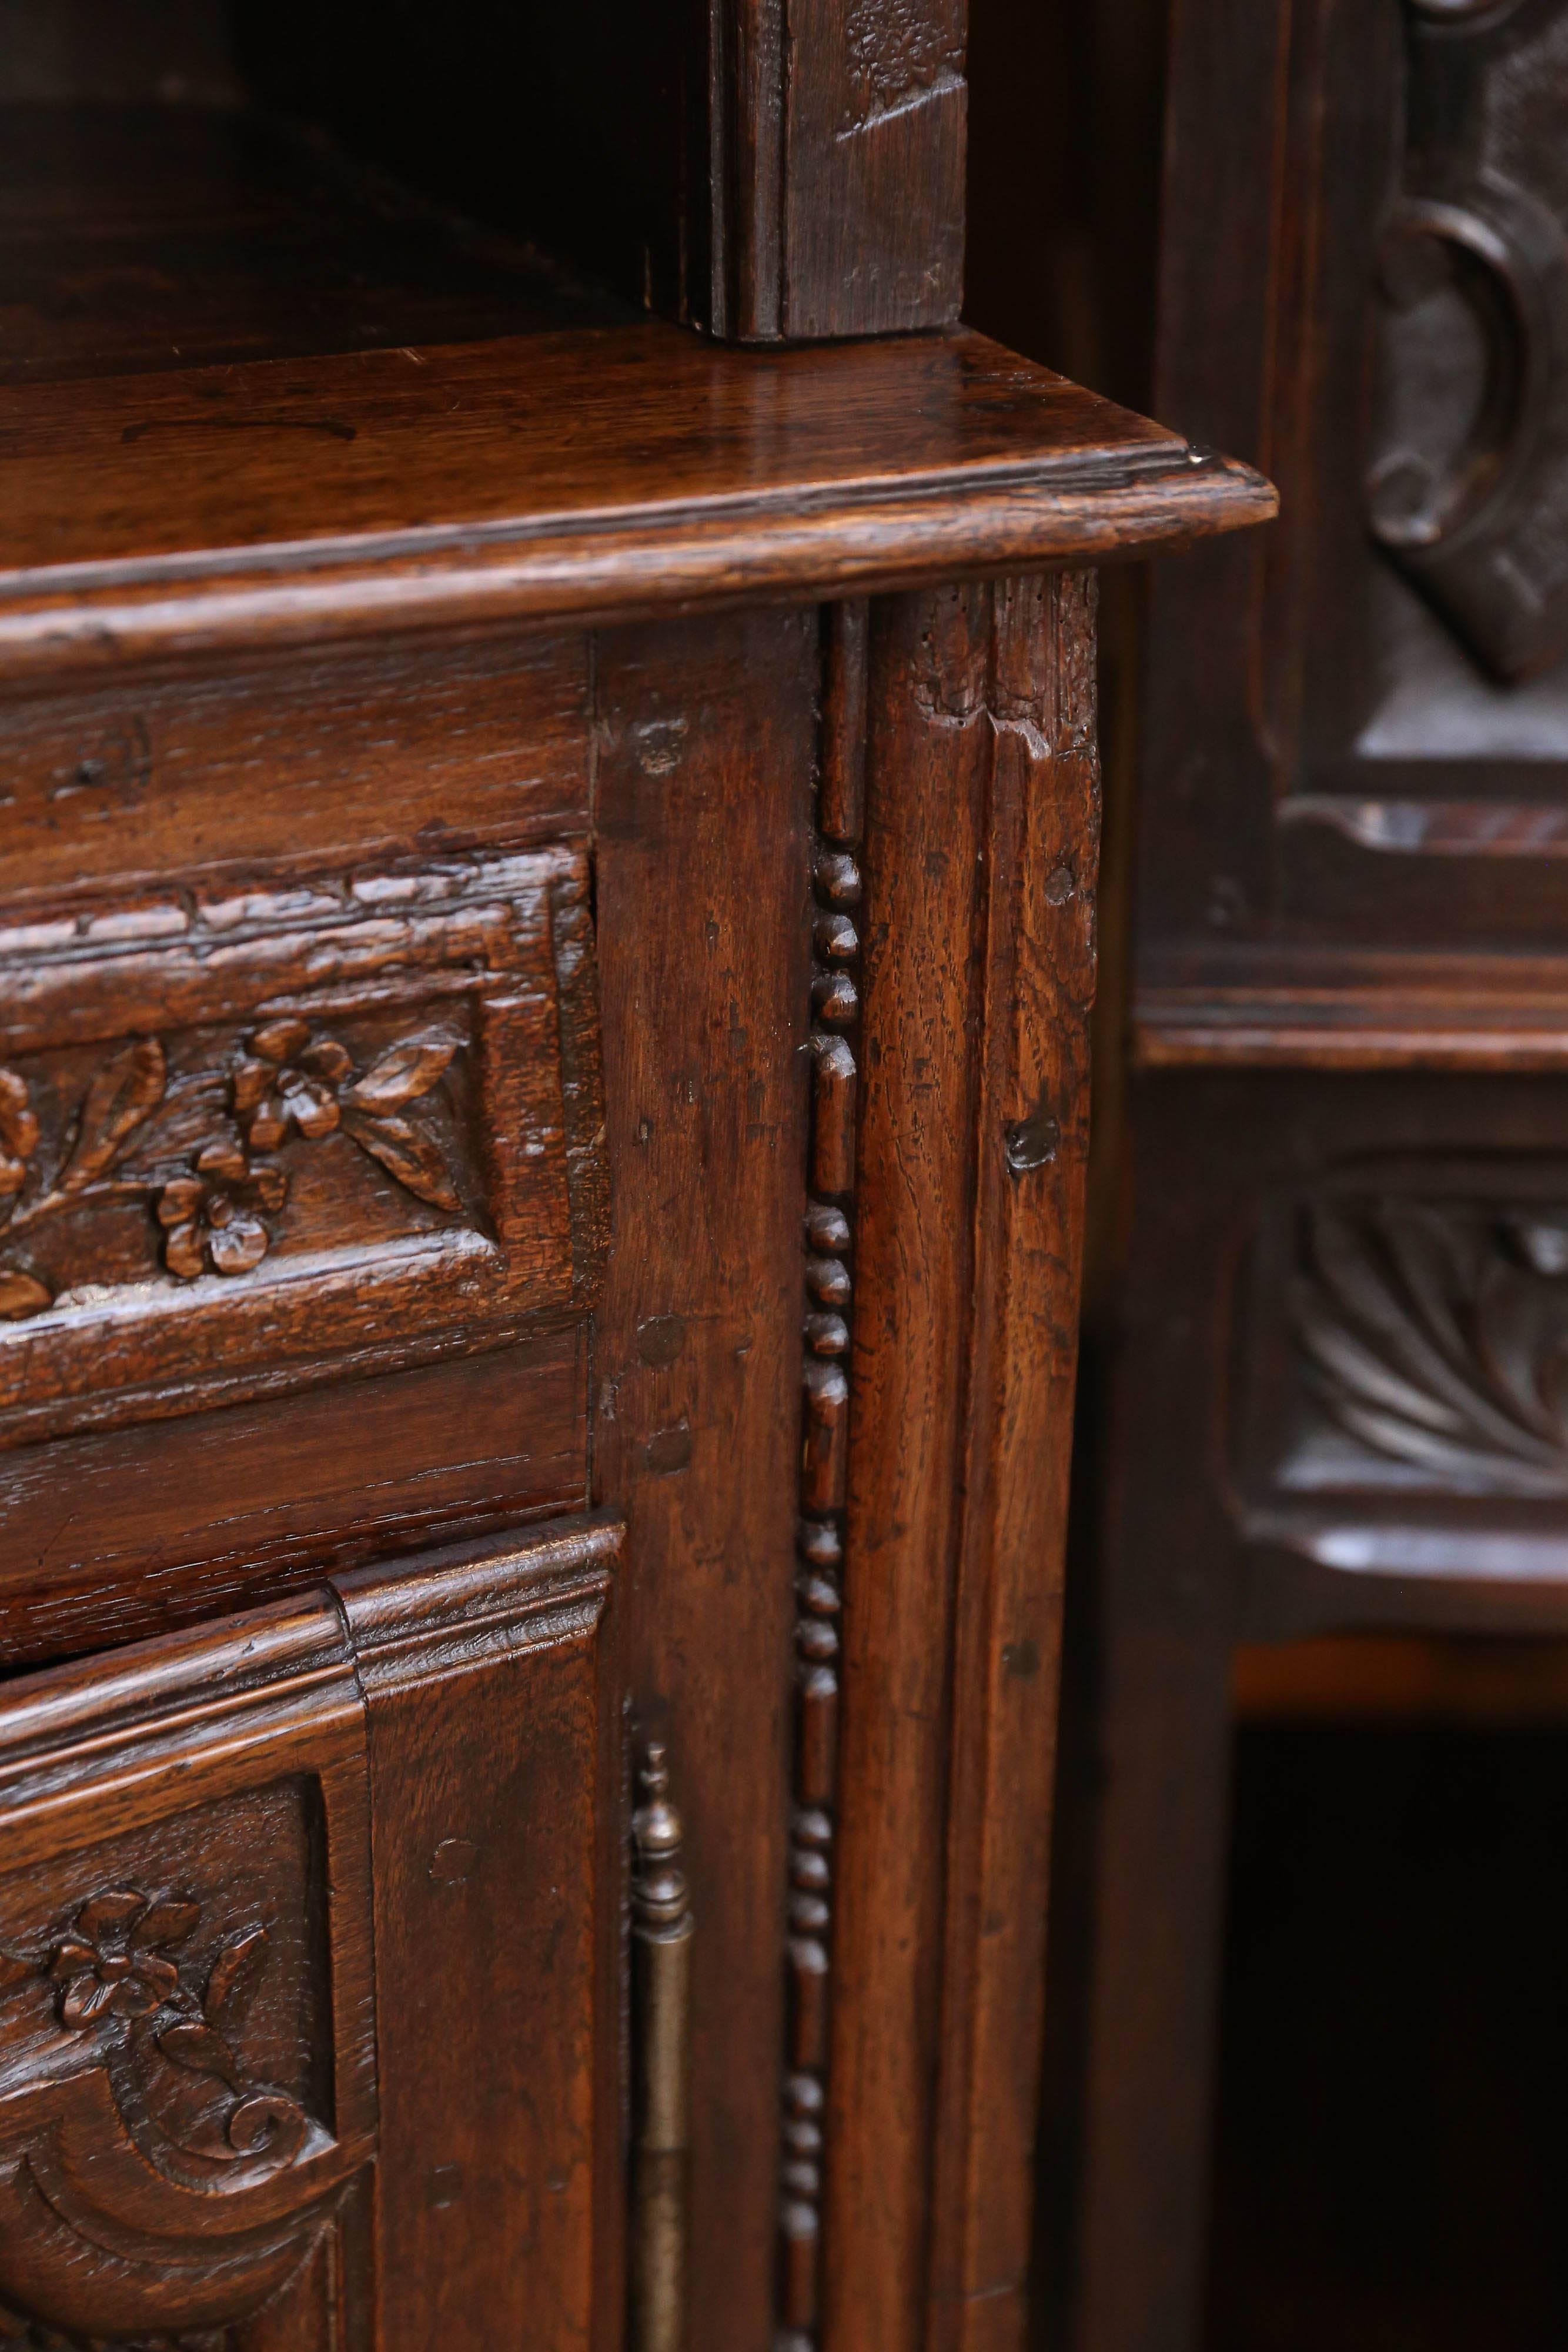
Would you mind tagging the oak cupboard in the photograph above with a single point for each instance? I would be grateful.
(547, 872)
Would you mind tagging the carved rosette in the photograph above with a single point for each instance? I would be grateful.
(824, 1461)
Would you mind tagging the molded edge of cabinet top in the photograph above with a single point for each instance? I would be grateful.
(596, 473)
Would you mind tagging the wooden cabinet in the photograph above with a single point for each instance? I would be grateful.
(1337, 1405)
(547, 928)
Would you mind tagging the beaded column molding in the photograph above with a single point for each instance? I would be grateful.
(829, 1244)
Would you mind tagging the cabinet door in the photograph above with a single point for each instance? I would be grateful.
(307, 2024)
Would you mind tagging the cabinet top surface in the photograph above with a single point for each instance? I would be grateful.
(483, 445)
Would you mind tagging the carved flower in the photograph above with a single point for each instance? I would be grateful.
(112, 1965)
(289, 1078)
(212, 1217)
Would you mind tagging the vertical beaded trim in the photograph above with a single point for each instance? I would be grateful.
(829, 1244)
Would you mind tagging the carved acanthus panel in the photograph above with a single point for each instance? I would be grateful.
(242, 1134)
(1436, 1335)
(1468, 483)
(1406, 1337)
(187, 2025)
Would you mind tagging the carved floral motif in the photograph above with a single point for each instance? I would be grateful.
(215, 1204)
(114, 1965)
(122, 1976)
(1436, 1333)
(289, 1080)
(212, 1217)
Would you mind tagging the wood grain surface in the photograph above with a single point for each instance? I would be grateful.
(598, 472)
(704, 806)
(982, 806)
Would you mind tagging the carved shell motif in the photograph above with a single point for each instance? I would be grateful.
(1436, 1335)
(216, 1207)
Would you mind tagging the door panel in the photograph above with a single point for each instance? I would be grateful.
(303, 1938)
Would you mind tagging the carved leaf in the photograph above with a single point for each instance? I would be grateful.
(201, 2049)
(405, 1073)
(160, 1976)
(234, 1973)
(124, 1092)
(15, 1969)
(20, 1293)
(165, 1922)
(18, 1126)
(414, 1158)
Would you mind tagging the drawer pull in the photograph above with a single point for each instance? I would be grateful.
(662, 2003)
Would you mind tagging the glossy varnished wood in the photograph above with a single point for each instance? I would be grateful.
(590, 473)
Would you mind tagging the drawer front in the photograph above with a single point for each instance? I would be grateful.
(250, 1132)
(306, 2022)
(328, 758)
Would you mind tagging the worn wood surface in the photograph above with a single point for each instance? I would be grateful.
(399, 473)
(107, 1538)
(335, 761)
(1031, 1148)
(704, 806)
(217, 233)
(494, 1783)
(874, 117)
(981, 786)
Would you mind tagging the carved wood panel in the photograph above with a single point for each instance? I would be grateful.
(212, 1848)
(243, 1131)
(1405, 1333)
(186, 2045)
(1398, 1397)
(1468, 486)
(1356, 731)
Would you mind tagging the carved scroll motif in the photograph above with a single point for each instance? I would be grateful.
(1467, 484)
(829, 1245)
(1435, 1334)
(180, 2115)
